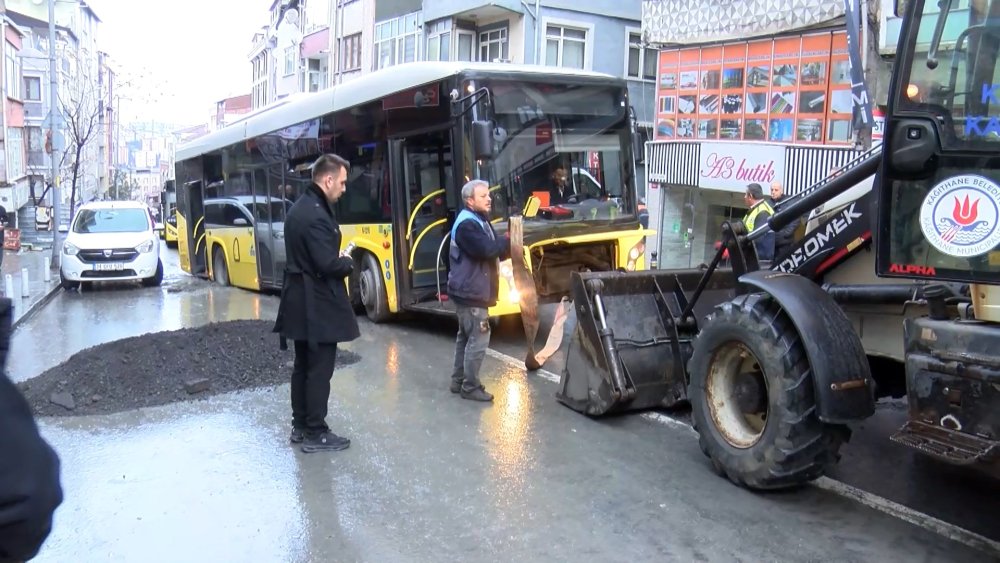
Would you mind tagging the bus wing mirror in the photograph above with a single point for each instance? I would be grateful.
(482, 139)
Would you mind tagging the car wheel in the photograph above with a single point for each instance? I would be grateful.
(157, 278)
(219, 271)
(67, 284)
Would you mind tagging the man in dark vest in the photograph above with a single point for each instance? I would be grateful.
(314, 310)
(473, 285)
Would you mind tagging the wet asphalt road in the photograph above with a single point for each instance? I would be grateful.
(429, 476)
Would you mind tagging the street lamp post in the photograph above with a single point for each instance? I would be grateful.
(53, 109)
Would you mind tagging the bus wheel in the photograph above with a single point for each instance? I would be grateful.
(219, 271)
(371, 288)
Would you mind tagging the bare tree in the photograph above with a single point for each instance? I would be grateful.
(82, 114)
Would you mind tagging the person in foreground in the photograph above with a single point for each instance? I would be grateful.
(314, 310)
(30, 490)
(473, 284)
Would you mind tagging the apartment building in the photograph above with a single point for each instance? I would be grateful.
(14, 188)
(84, 77)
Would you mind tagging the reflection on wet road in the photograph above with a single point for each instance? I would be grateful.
(428, 477)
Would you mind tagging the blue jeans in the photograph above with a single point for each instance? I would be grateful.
(470, 345)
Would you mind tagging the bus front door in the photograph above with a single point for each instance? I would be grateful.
(191, 248)
(269, 207)
(426, 175)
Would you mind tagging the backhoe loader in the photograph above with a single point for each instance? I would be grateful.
(778, 362)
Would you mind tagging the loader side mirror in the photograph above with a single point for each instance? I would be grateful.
(482, 139)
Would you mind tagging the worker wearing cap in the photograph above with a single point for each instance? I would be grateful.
(760, 211)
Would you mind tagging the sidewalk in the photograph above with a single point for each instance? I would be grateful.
(39, 291)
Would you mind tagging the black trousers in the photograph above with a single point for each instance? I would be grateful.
(311, 376)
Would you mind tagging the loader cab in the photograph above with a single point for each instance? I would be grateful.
(939, 183)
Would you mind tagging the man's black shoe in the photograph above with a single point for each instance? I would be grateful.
(456, 387)
(297, 436)
(325, 442)
(477, 394)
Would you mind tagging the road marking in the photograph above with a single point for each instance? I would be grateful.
(914, 517)
(871, 500)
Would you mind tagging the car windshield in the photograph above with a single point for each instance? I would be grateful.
(273, 213)
(111, 221)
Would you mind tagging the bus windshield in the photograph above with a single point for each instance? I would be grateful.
(563, 144)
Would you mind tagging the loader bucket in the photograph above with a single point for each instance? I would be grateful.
(630, 346)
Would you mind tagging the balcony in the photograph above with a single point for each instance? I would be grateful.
(471, 9)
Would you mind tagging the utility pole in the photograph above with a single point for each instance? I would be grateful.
(53, 109)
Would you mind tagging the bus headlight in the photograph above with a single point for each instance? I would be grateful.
(634, 254)
(507, 273)
(507, 269)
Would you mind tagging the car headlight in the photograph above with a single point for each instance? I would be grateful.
(70, 249)
(145, 247)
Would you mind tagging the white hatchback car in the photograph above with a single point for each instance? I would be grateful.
(111, 241)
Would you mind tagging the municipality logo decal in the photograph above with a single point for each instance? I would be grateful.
(960, 216)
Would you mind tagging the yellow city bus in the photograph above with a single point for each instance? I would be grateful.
(414, 134)
(168, 213)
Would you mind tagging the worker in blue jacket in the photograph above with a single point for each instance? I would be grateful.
(473, 285)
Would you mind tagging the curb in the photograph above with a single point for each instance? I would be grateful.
(36, 306)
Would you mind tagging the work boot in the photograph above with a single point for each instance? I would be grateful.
(297, 436)
(477, 394)
(325, 442)
(456, 386)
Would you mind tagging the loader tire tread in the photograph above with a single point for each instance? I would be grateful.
(795, 446)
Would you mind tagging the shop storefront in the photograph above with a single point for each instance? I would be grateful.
(786, 89)
(693, 187)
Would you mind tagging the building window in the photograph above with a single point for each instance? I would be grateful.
(32, 88)
(642, 61)
(290, 60)
(350, 53)
(565, 46)
(396, 40)
(439, 41)
(13, 72)
(493, 45)
(316, 75)
(15, 153)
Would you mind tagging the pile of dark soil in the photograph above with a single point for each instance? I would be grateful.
(165, 367)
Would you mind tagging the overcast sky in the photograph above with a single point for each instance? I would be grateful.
(188, 53)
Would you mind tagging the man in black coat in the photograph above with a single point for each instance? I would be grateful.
(29, 469)
(785, 238)
(314, 311)
(473, 285)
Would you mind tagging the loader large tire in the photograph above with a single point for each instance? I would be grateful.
(752, 401)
